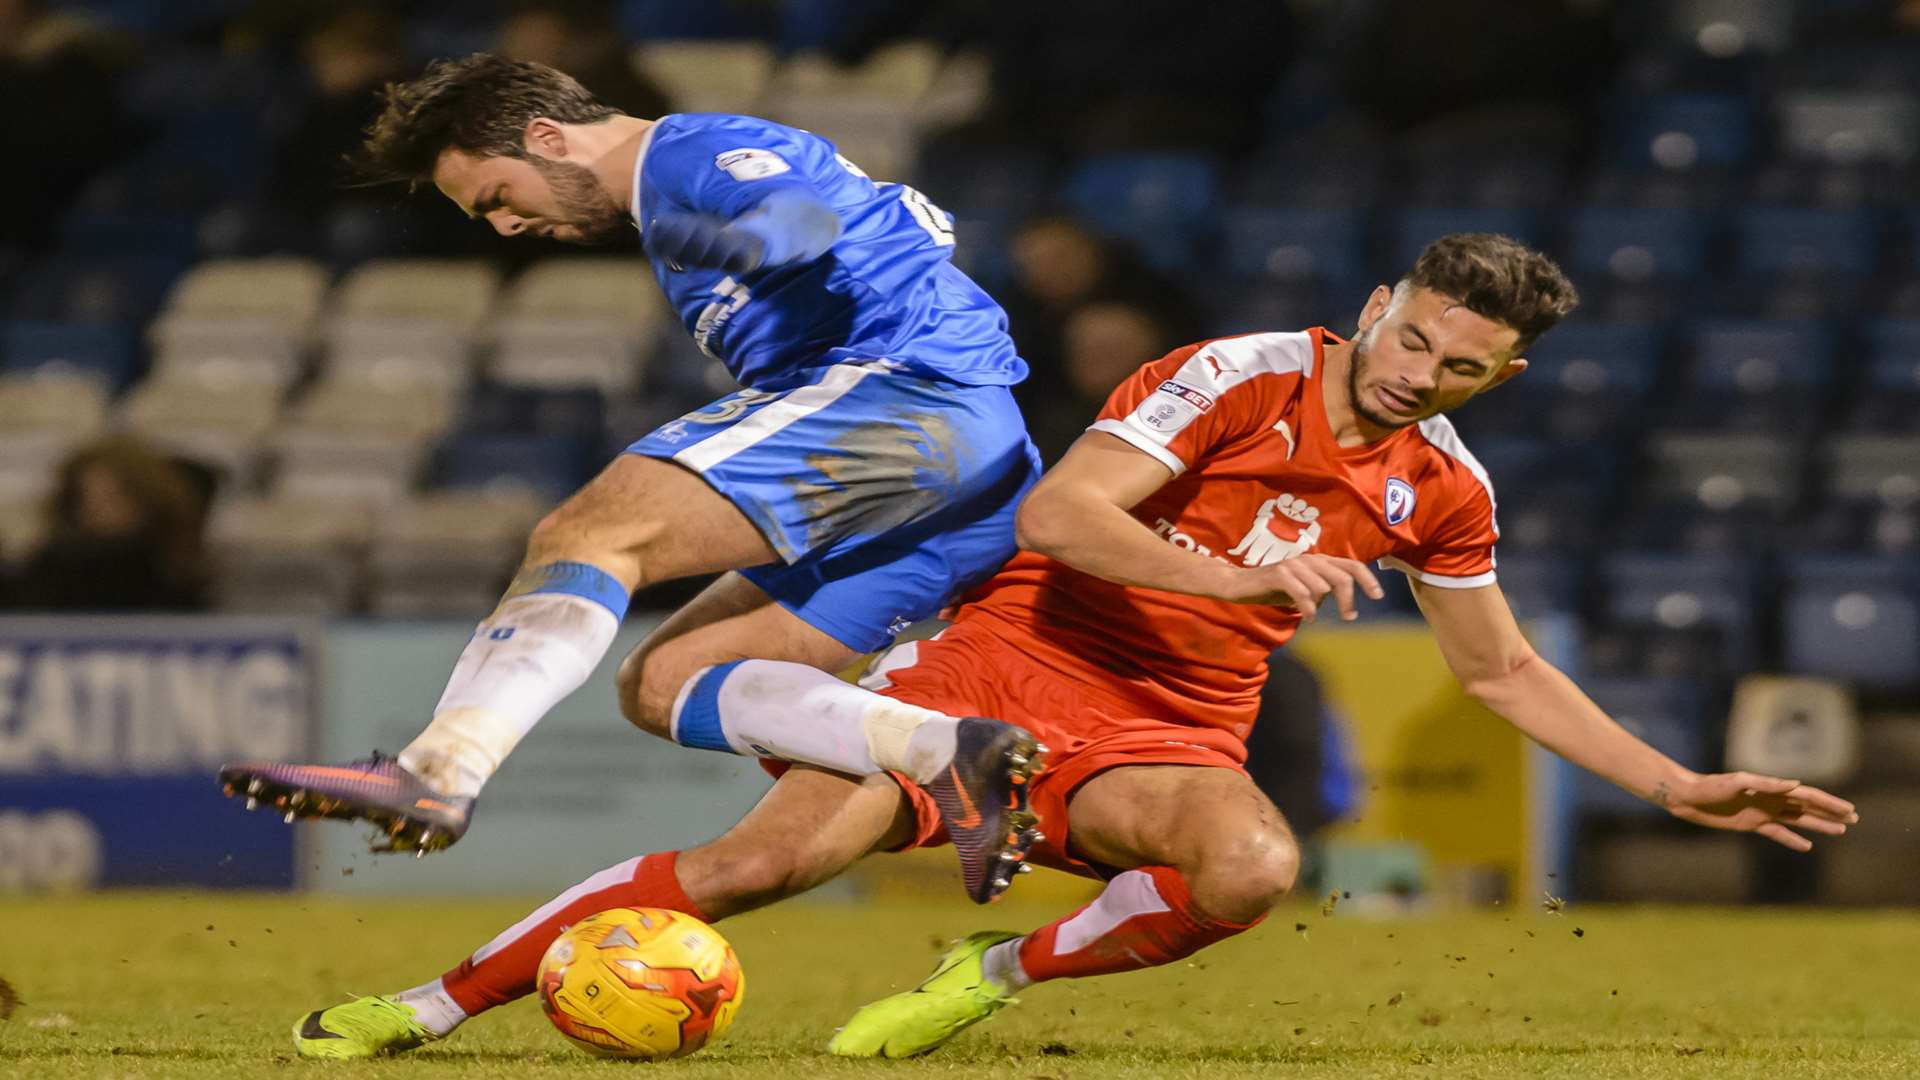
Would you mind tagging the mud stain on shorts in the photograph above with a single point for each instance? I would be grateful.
(878, 476)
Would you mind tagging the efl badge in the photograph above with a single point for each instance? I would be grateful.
(1399, 500)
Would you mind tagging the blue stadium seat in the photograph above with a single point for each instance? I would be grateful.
(1687, 131)
(1755, 375)
(1540, 583)
(552, 465)
(1685, 592)
(1855, 619)
(1159, 202)
(1416, 228)
(1260, 306)
(1774, 240)
(1295, 245)
(1637, 244)
(1886, 397)
(130, 232)
(1670, 714)
(124, 289)
(110, 352)
(1749, 528)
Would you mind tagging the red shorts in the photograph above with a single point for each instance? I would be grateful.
(1087, 730)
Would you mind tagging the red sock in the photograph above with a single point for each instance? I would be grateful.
(505, 968)
(1143, 919)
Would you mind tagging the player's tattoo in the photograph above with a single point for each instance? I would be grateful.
(1660, 796)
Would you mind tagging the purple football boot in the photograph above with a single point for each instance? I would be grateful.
(413, 816)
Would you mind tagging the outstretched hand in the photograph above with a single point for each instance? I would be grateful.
(1748, 802)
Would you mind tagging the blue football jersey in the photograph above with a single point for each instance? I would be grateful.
(886, 290)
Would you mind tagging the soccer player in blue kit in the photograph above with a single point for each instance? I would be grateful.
(867, 471)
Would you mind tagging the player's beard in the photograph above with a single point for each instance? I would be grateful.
(1362, 404)
(587, 206)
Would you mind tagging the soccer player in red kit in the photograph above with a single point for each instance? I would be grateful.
(1225, 491)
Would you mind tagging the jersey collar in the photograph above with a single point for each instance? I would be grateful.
(639, 162)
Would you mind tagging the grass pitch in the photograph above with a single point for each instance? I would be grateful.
(193, 985)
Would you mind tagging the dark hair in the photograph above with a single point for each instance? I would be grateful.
(481, 104)
(1500, 278)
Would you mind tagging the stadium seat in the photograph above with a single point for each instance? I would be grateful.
(550, 467)
(1584, 381)
(1295, 245)
(999, 186)
(1755, 375)
(103, 352)
(580, 322)
(1685, 593)
(1414, 229)
(1849, 128)
(109, 233)
(1539, 583)
(959, 93)
(1162, 203)
(43, 417)
(1887, 395)
(1731, 27)
(1636, 244)
(1722, 471)
(1874, 467)
(446, 556)
(1684, 132)
(122, 290)
(1854, 619)
(287, 556)
(708, 76)
(1670, 714)
(1771, 240)
(226, 430)
(409, 321)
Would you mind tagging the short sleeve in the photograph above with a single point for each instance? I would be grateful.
(728, 171)
(1458, 553)
(1183, 406)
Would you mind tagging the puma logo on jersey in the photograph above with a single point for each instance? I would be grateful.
(1286, 432)
(1219, 370)
(1264, 547)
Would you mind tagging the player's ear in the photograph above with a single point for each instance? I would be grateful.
(1507, 371)
(546, 137)
(1377, 305)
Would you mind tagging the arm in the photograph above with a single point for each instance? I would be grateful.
(1077, 514)
(1498, 668)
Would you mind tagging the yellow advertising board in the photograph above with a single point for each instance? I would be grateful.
(1438, 771)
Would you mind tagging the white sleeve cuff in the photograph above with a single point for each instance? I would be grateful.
(1439, 580)
(1139, 440)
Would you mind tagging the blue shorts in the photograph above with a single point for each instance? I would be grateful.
(885, 494)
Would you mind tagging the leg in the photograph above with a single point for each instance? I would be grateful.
(1204, 855)
(688, 682)
(809, 827)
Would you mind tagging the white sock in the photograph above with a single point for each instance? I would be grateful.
(432, 1007)
(1001, 963)
(778, 709)
(534, 650)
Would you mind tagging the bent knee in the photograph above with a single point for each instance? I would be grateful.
(645, 699)
(1243, 880)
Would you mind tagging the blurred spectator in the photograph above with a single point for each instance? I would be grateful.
(1297, 753)
(59, 75)
(345, 59)
(1085, 313)
(579, 37)
(125, 531)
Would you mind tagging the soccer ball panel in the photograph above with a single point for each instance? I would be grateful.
(640, 983)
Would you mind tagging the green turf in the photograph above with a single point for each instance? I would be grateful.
(187, 985)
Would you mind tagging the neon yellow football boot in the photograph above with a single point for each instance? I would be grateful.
(363, 1027)
(955, 997)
